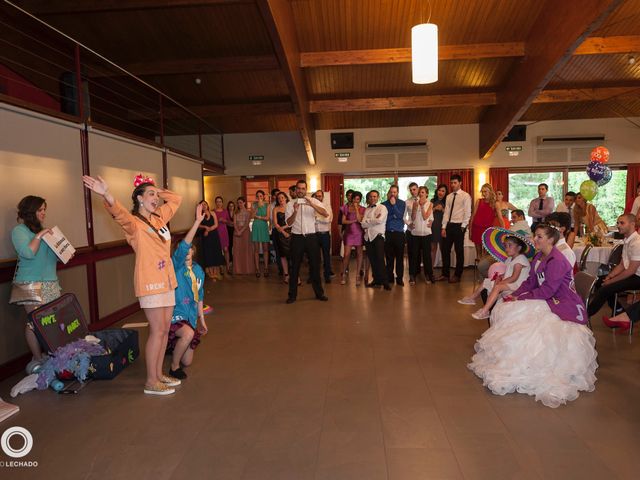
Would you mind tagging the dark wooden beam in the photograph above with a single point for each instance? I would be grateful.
(195, 65)
(278, 18)
(557, 32)
(57, 7)
(207, 111)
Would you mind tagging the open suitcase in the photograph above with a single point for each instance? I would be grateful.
(62, 321)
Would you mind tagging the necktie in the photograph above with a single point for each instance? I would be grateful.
(453, 202)
(194, 284)
(541, 204)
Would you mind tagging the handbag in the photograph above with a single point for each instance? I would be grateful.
(25, 293)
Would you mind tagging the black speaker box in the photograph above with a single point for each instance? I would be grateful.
(518, 133)
(343, 140)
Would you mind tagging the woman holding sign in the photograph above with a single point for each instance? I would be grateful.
(145, 229)
(35, 282)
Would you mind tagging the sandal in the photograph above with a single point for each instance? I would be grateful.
(286, 278)
(257, 274)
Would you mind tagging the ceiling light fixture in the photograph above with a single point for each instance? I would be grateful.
(631, 60)
(424, 52)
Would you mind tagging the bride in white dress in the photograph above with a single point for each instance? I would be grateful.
(538, 342)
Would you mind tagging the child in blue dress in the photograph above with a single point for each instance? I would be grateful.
(187, 323)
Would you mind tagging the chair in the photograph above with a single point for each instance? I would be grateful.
(615, 305)
(583, 258)
(584, 283)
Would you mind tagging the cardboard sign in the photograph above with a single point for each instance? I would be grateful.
(59, 322)
(59, 244)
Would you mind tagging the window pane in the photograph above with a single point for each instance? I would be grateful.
(364, 185)
(610, 200)
(428, 181)
(523, 187)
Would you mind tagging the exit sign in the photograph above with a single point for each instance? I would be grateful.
(517, 148)
(256, 157)
(343, 155)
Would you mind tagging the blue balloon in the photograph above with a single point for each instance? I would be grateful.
(596, 170)
(606, 178)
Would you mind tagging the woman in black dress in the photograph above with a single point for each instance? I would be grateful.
(283, 233)
(211, 249)
(438, 202)
(231, 208)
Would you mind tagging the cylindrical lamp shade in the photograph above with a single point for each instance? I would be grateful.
(424, 53)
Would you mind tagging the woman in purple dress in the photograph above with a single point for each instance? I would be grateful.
(352, 214)
(538, 342)
(224, 221)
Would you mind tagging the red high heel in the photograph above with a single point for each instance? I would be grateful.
(622, 327)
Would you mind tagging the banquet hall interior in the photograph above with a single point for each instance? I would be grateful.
(229, 98)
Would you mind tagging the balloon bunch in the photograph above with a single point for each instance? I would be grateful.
(599, 173)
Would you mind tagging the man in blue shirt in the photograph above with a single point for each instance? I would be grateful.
(394, 235)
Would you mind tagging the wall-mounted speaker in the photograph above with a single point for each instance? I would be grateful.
(518, 133)
(342, 140)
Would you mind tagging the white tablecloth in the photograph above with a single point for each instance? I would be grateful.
(596, 256)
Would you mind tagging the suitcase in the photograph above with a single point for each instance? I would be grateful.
(62, 321)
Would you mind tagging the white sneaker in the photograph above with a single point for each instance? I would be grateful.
(467, 301)
(480, 315)
(159, 389)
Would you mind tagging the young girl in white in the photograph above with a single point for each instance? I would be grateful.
(517, 270)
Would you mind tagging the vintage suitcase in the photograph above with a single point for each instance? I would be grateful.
(62, 321)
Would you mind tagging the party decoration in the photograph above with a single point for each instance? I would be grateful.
(606, 178)
(496, 270)
(140, 179)
(596, 170)
(588, 190)
(494, 238)
(600, 154)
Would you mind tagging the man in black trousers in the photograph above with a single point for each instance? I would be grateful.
(300, 215)
(457, 212)
(374, 222)
(394, 235)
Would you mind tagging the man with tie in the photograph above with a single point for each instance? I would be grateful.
(300, 215)
(374, 223)
(540, 207)
(457, 212)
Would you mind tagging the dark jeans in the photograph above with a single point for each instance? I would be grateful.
(375, 252)
(409, 238)
(324, 238)
(394, 252)
(274, 239)
(607, 293)
(301, 244)
(421, 251)
(454, 238)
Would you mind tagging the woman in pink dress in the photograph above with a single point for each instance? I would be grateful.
(485, 215)
(352, 214)
(224, 220)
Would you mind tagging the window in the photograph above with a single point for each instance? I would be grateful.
(366, 184)
(252, 186)
(610, 200)
(429, 181)
(523, 187)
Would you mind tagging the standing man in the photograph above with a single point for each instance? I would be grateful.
(394, 235)
(300, 215)
(567, 206)
(540, 207)
(323, 228)
(413, 197)
(457, 212)
(374, 223)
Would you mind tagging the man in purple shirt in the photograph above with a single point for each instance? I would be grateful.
(540, 207)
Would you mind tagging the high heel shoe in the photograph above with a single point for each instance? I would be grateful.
(286, 278)
(343, 279)
(621, 327)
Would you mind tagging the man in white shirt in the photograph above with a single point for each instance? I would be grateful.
(519, 224)
(567, 205)
(374, 223)
(457, 212)
(626, 275)
(323, 228)
(300, 215)
(635, 207)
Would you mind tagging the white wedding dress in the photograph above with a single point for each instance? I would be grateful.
(529, 349)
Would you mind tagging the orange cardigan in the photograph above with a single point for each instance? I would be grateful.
(153, 272)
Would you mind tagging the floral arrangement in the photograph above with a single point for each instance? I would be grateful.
(74, 357)
(594, 239)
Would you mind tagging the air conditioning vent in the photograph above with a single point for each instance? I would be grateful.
(552, 155)
(380, 162)
(412, 160)
(413, 145)
(568, 140)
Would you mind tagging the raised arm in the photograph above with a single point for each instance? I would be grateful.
(120, 214)
(171, 203)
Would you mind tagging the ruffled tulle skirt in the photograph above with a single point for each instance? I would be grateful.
(528, 349)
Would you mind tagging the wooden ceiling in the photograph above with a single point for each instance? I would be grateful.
(269, 65)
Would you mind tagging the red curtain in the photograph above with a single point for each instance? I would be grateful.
(334, 183)
(444, 176)
(633, 178)
(499, 180)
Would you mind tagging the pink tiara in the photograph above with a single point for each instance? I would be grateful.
(140, 179)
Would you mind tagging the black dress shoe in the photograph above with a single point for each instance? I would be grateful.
(387, 286)
(322, 298)
(373, 285)
(290, 300)
(399, 282)
(178, 373)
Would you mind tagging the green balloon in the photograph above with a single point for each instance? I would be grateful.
(588, 190)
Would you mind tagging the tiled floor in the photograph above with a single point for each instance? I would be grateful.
(370, 385)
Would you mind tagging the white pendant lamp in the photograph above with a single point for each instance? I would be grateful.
(424, 53)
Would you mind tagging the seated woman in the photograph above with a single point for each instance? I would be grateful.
(585, 214)
(184, 333)
(538, 343)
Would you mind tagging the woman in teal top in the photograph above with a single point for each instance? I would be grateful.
(36, 261)
(260, 232)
